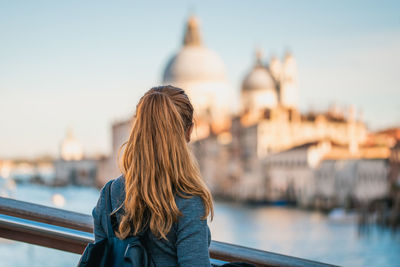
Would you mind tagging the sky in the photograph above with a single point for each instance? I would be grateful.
(84, 64)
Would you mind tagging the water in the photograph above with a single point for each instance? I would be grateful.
(304, 234)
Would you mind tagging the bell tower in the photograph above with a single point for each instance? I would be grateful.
(289, 88)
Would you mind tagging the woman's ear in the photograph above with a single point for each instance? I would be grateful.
(189, 133)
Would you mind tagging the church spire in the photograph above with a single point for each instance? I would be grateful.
(192, 33)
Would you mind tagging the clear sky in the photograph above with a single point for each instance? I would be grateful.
(84, 64)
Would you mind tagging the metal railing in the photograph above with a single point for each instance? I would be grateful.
(71, 231)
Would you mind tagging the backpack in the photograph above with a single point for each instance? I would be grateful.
(112, 251)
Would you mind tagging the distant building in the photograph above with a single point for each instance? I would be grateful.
(72, 167)
(269, 150)
(344, 182)
(290, 173)
(40, 170)
(71, 149)
(394, 161)
(108, 167)
(75, 172)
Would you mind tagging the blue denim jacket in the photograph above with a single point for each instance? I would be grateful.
(188, 239)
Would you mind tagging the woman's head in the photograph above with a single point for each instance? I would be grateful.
(167, 100)
(157, 163)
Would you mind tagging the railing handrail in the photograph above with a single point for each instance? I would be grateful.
(45, 214)
(47, 226)
(25, 225)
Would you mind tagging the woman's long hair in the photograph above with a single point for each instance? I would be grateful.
(157, 164)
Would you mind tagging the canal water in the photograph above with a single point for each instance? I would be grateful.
(305, 234)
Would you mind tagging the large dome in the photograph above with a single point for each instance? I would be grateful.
(194, 63)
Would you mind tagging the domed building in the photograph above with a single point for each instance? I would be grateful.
(270, 86)
(71, 149)
(73, 167)
(266, 150)
(270, 90)
(258, 89)
(201, 73)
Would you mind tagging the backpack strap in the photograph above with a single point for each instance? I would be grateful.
(107, 198)
(144, 239)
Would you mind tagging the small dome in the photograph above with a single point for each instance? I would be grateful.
(258, 78)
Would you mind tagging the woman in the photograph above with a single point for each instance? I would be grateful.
(161, 194)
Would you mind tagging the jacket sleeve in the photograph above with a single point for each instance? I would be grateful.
(192, 234)
(98, 215)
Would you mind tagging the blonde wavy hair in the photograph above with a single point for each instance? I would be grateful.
(157, 164)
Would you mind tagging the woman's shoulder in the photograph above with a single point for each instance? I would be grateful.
(190, 206)
(116, 190)
(118, 184)
(192, 221)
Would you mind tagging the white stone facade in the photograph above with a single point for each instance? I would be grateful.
(361, 180)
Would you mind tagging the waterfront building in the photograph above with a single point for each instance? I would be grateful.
(71, 149)
(290, 173)
(394, 161)
(40, 170)
(347, 182)
(269, 151)
(75, 172)
(72, 167)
